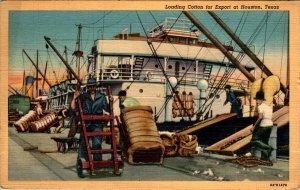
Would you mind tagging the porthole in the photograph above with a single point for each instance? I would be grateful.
(170, 67)
(156, 66)
(141, 90)
(183, 68)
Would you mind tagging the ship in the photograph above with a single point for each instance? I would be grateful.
(171, 54)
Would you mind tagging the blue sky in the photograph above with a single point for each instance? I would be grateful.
(27, 29)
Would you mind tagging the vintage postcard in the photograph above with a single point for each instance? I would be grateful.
(150, 94)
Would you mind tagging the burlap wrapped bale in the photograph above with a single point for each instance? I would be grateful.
(143, 141)
(43, 123)
(23, 124)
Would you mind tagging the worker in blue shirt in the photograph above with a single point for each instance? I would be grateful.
(93, 103)
(236, 106)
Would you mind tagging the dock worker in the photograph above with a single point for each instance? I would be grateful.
(39, 110)
(61, 115)
(262, 127)
(236, 106)
(93, 103)
(125, 101)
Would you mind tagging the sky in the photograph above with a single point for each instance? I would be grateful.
(28, 28)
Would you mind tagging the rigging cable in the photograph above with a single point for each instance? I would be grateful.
(93, 23)
(282, 51)
(164, 38)
(24, 82)
(54, 73)
(273, 30)
(167, 33)
(264, 46)
(109, 25)
(160, 65)
(205, 41)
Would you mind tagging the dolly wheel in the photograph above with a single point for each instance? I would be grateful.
(65, 147)
(79, 168)
(119, 172)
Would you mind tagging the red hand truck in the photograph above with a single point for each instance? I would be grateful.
(91, 164)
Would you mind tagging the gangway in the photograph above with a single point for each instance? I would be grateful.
(242, 138)
(207, 122)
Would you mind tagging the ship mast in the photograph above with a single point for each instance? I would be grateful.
(69, 74)
(78, 53)
(23, 85)
(37, 74)
(219, 45)
(37, 68)
(245, 48)
(45, 72)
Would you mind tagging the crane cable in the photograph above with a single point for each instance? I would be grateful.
(49, 58)
(160, 65)
(264, 46)
(152, 53)
(281, 60)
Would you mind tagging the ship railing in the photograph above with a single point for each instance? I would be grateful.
(56, 108)
(145, 74)
(155, 75)
(174, 23)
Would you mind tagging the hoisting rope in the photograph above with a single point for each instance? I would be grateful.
(144, 65)
(264, 46)
(216, 91)
(153, 50)
(184, 75)
(179, 143)
(273, 30)
(281, 60)
(239, 57)
(250, 161)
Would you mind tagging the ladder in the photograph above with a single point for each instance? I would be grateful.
(91, 164)
(137, 67)
(207, 71)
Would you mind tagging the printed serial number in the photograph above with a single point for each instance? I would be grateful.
(278, 185)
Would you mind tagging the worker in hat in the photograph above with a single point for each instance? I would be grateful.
(93, 103)
(262, 127)
(236, 105)
(125, 101)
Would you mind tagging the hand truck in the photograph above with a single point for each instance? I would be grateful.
(91, 164)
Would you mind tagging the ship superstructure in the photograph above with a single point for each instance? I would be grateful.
(144, 65)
